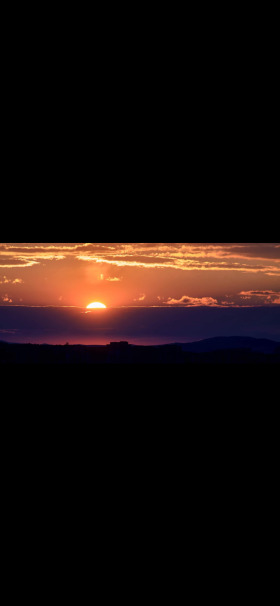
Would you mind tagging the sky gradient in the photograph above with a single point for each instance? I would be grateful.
(213, 280)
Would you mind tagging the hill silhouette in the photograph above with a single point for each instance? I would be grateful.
(219, 350)
(217, 343)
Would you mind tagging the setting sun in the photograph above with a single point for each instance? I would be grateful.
(96, 305)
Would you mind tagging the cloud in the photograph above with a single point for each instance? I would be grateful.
(113, 279)
(250, 298)
(246, 258)
(261, 297)
(193, 301)
(10, 262)
(7, 299)
(140, 298)
(6, 280)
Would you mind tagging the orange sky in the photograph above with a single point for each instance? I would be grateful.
(139, 274)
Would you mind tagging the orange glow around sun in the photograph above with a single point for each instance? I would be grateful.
(96, 305)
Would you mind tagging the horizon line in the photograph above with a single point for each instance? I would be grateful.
(146, 345)
(165, 306)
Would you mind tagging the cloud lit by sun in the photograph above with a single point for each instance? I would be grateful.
(139, 274)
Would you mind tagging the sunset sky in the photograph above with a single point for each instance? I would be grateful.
(138, 275)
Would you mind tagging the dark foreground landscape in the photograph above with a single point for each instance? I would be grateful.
(220, 350)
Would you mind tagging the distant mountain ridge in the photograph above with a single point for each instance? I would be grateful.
(267, 346)
(218, 350)
(217, 343)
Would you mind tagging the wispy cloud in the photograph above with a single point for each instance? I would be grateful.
(246, 258)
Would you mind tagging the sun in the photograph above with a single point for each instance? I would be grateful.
(96, 305)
